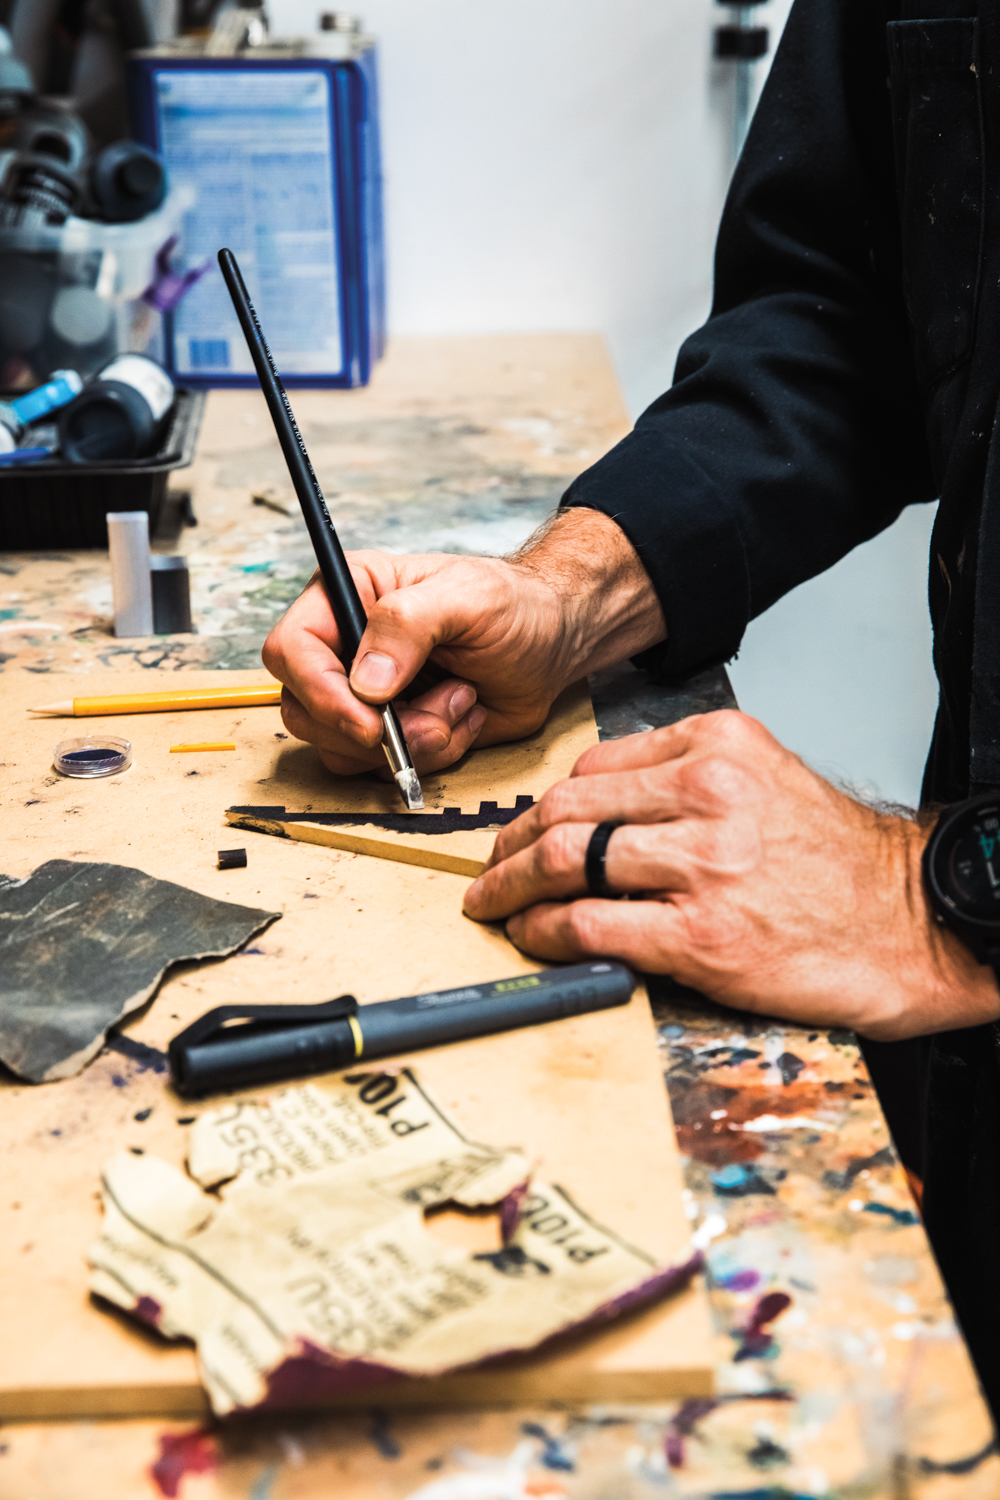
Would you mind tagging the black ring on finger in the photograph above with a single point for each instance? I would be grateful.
(595, 861)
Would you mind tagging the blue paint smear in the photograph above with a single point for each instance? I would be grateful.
(740, 1281)
(900, 1215)
(553, 1456)
(263, 1483)
(145, 1058)
(734, 1181)
(382, 1437)
(773, 1492)
(672, 1032)
(730, 1176)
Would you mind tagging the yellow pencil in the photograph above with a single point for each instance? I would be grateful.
(178, 697)
(208, 745)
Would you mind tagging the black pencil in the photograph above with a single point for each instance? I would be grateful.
(345, 601)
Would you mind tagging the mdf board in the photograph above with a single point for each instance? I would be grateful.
(583, 1097)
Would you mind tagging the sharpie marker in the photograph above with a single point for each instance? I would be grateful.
(233, 1046)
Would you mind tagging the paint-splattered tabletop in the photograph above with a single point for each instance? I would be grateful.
(841, 1373)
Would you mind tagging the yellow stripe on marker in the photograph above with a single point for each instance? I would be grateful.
(209, 745)
(359, 1041)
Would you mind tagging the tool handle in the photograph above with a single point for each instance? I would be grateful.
(348, 611)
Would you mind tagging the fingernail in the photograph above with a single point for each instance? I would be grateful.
(462, 700)
(472, 894)
(477, 719)
(374, 673)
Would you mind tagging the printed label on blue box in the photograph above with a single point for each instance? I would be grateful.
(257, 145)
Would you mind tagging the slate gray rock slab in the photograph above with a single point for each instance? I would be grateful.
(83, 944)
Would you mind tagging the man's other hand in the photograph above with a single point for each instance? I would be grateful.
(751, 879)
(509, 635)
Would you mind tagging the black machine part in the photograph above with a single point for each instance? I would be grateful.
(234, 1046)
(119, 414)
(107, 420)
(961, 869)
(127, 181)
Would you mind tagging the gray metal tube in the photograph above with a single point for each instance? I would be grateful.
(128, 546)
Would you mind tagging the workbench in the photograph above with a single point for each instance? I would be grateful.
(840, 1370)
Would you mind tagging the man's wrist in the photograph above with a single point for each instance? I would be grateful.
(956, 990)
(609, 609)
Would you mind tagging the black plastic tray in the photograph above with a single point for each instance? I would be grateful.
(52, 504)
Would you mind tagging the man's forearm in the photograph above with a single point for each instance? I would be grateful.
(610, 608)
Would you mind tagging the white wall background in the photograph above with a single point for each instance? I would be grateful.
(561, 164)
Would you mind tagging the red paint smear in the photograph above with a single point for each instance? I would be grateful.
(755, 1341)
(510, 1210)
(713, 1141)
(682, 1424)
(148, 1310)
(312, 1374)
(768, 1308)
(182, 1453)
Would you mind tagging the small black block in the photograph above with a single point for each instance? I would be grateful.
(232, 859)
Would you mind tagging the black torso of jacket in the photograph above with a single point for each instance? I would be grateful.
(851, 366)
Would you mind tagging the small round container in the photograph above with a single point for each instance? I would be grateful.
(92, 755)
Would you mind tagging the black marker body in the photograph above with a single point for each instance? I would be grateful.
(266, 1053)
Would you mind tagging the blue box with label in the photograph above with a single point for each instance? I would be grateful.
(283, 155)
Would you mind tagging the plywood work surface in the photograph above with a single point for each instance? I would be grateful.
(583, 1097)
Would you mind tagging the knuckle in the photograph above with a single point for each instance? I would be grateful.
(556, 804)
(580, 922)
(555, 853)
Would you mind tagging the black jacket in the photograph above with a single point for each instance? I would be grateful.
(851, 366)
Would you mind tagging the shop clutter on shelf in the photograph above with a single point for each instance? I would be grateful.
(87, 234)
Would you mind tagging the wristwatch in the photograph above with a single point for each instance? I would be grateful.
(961, 868)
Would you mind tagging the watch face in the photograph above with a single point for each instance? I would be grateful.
(969, 864)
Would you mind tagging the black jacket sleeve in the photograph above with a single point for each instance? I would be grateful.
(793, 430)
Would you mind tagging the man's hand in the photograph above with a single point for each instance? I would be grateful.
(509, 634)
(752, 879)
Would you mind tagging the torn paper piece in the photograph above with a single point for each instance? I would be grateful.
(82, 945)
(315, 1270)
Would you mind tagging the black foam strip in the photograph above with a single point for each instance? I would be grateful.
(449, 820)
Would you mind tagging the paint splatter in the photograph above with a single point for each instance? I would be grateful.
(149, 1310)
(735, 1181)
(264, 1483)
(182, 1453)
(145, 1058)
(957, 1465)
(789, 1066)
(682, 1424)
(380, 1434)
(838, 1182)
(767, 1454)
(553, 1456)
(755, 1341)
(510, 1211)
(739, 1281)
(900, 1215)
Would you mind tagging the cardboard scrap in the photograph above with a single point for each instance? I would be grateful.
(82, 945)
(317, 1273)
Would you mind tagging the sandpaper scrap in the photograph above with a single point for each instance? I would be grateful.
(448, 820)
(316, 1273)
(82, 945)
